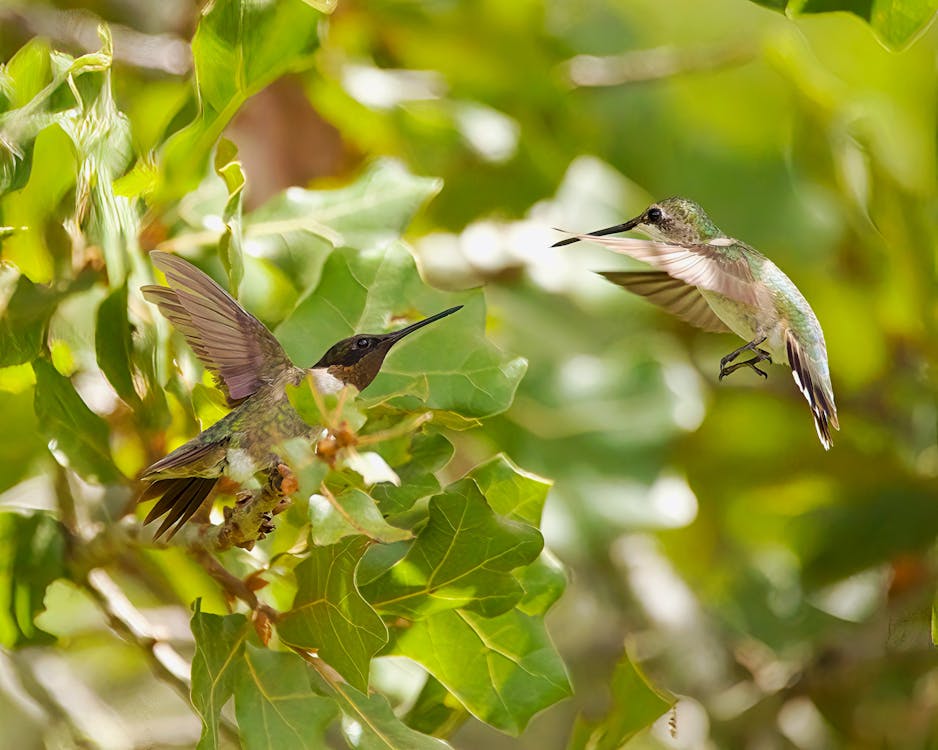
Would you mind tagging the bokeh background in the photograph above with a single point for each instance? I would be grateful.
(784, 594)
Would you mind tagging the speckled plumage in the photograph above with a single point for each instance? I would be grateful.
(719, 283)
(253, 371)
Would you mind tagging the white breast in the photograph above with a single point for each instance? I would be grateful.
(326, 383)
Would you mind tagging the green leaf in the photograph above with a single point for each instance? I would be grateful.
(370, 724)
(896, 22)
(543, 581)
(32, 556)
(76, 434)
(463, 557)
(372, 211)
(861, 529)
(24, 321)
(34, 76)
(436, 710)
(510, 490)
(29, 70)
(503, 669)
(275, 704)
(450, 365)
(32, 209)
(636, 705)
(101, 137)
(325, 6)
(428, 454)
(19, 448)
(239, 47)
(230, 245)
(114, 346)
(320, 409)
(348, 513)
(219, 648)
(329, 615)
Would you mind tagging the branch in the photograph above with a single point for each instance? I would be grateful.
(133, 627)
(33, 700)
(251, 517)
(130, 623)
(166, 53)
(643, 65)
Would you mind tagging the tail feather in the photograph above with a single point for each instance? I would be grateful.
(181, 498)
(815, 390)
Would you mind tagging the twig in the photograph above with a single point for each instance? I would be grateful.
(234, 586)
(638, 66)
(133, 627)
(250, 519)
(166, 53)
(50, 708)
(130, 623)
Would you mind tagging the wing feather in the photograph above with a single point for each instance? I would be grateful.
(710, 267)
(672, 294)
(234, 345)
(187, 459)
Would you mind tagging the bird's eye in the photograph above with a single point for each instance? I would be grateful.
(362, 343)
(654, 215)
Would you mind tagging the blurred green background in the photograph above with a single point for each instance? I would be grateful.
(783, 594)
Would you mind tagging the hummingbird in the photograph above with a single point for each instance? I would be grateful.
(721, 284)
(252, 369)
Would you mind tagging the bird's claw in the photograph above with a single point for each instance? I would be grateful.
(761, 356)
(724, 371)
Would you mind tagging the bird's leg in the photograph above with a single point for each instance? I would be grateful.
(747, 363)
(761, 356)
(282, 482)
(750, 346)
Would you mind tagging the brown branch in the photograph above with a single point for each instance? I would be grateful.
(251, 517)
(235, 587)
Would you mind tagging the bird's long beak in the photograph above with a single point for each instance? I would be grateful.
(398, 335)
(630, 224)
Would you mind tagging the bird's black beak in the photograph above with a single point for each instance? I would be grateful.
(396, 336)
(630, 224)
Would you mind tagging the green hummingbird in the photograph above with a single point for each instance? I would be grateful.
(253, 371)
(720, 284)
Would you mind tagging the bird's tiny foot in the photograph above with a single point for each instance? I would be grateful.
(288, 482)
(748, 346)
(724, 371)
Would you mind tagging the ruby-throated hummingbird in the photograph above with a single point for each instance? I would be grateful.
(718, 283)
(253, 370)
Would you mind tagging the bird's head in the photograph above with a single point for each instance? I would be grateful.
(357, 360)
(678, 221)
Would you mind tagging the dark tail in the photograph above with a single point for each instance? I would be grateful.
(181, 498)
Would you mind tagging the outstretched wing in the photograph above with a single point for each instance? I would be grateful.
(234, 345)
(717, 268)
(680, 299)
(816, 388)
